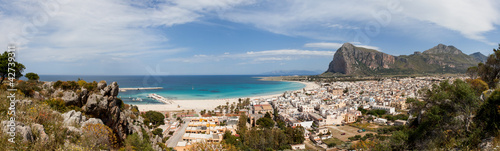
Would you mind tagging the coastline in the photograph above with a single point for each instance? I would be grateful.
(210, 104)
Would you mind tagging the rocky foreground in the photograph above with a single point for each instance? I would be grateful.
(90, 107)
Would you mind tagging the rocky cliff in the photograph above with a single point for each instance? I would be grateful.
(352, 60)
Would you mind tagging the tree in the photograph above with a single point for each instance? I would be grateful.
(472, 72)
(232, 108)
(133, 142)
(445, 116)
(265, 122)
(4, 67)
(32, 76)
(158, 131)
(156, 118)
(488, 116)
(490, 71)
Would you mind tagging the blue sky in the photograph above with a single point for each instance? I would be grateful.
(207, 37)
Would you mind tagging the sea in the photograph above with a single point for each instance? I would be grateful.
(190, 87)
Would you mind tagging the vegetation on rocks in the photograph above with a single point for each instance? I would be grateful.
(103, 121)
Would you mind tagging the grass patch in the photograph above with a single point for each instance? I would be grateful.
(332, 142)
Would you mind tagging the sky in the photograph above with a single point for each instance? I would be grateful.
(232, 37)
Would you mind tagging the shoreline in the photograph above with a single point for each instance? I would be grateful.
(210, 104)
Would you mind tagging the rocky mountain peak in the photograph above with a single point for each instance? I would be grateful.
(479, 57)
(347, 46)
(350, 59)
(443, 49)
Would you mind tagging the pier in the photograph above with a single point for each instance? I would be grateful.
(142, 88)
(160, 98)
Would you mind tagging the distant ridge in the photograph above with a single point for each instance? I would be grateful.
(479, 57)
(352, 60)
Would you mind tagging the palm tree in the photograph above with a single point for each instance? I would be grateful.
(232, 108)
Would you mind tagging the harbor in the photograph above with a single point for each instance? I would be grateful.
(160, 98)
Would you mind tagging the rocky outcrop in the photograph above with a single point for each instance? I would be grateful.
(92, 121)
(349, 58)
(352, 60)
(73, 118)
(38, 128)
(71, 98)
(104, 107)
(21, 130)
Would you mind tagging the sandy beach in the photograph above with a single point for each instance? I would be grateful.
(208, 104)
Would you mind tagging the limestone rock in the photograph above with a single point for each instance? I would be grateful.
(75, 130)
(41, 132)
(348, 58)
(25, 132)
(84, 95)
(47, 85)
(73, 118)
(37, 96)
(101, 85)
(114, 89)
(21, 130)
(71, 98)
(92, 121)
(57, 93)
(92, 103)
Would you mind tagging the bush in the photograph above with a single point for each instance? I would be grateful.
(28, 88)
(133, 142)
(59, 105)
(32, 76)
(479, 85)
(99, 136)
(158, 132)
(377, 112)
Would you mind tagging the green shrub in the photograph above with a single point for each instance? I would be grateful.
(158, 131)
(156, 118)
(32, 76)
(59, 105)
(28, 88)
(133, 142)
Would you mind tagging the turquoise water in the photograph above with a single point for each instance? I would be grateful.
(189, 87)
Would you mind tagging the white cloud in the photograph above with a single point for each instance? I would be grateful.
(470, 18)
(102, 28)
(256, 56)
(338, 20)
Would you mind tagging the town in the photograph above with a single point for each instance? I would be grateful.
(334, 115)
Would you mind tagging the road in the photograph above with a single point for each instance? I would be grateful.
(177, 136)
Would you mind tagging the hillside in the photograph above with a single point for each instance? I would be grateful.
(69, 115)
(352, 60)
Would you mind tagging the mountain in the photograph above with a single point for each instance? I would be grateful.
(352, 60)
(479, 57)
(292, 72)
